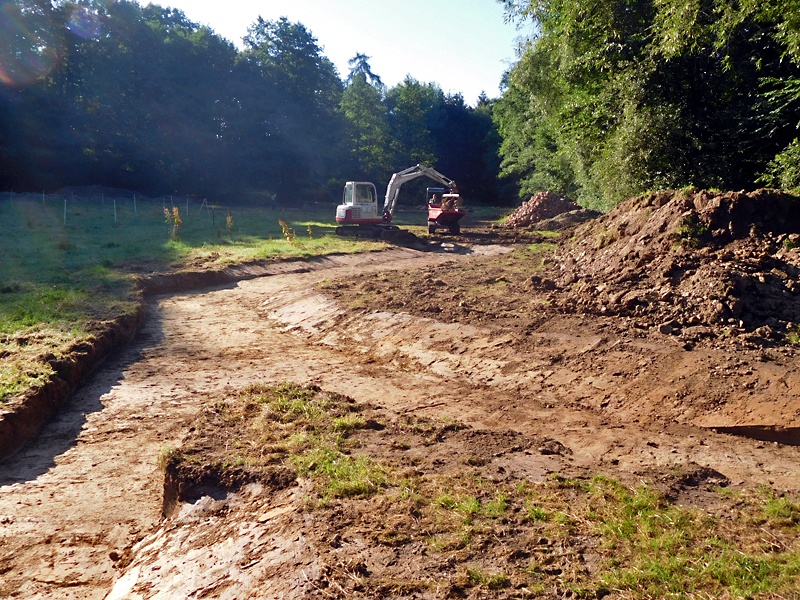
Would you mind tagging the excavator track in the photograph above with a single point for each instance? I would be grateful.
(375, 232)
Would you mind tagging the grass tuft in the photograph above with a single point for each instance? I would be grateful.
(340, 475)
(492, 581)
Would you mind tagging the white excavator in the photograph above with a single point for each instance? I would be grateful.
(358, 213)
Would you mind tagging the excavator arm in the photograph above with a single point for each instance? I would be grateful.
(398, 179)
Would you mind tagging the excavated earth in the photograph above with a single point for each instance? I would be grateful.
(631, 350)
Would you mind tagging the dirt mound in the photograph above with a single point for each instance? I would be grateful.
(567, 220)
(544, 205)
(693, 262)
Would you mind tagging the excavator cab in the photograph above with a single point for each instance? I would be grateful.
(359, 192)
(359, 204)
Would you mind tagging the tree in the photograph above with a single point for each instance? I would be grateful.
(128, 105)
(296, 134)
(613, 97)
(367, 122)
(30, 40)
(466, 146)
(409, 106)
(360, 67)
(116, 94)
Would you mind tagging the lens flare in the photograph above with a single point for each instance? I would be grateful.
(85, 23)
(28, 50)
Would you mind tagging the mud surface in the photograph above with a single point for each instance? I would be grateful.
(670, 308)
(287, 491)
(81, 506)
(81, 492)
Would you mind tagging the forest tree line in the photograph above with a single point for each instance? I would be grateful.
(141, 98)
(608, 99)
(611, 98)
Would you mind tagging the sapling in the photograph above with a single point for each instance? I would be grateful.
(174, 221)
(288, 232)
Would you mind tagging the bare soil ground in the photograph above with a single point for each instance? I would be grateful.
(476, 375)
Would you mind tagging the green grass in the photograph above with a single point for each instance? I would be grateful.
(534, 249)
(304, 427)
(18, 375)
(779, 510)
(492, 581)
(661, 549)
(348, 423)
(289, 403)
(338, 474)
(691, 233)
(59, 281)
(42, 242)
(468, 506)
(653, 548)
(535, 513)
(502, 216)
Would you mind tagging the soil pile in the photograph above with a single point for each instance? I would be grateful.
(695, 263)
(544, 205)
(567, 220)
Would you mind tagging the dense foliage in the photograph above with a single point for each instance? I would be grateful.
(614, 97)
(109, 93)
(609, 98)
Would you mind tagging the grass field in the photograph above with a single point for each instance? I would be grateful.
(62, 274)
(67, 263)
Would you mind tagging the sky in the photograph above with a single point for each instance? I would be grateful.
(463, 45)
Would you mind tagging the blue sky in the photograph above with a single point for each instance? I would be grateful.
(463, 45)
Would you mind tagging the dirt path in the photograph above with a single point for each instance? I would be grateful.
(89, 485)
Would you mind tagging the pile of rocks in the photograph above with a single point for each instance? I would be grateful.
(544, 205)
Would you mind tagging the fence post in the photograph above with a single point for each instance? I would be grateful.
(115, 210)
(65, 210)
